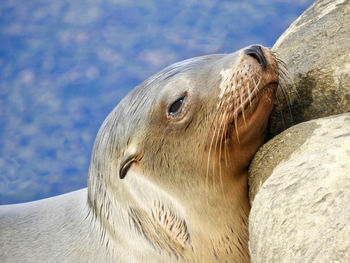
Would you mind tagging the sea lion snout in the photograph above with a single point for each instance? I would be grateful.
(256, 52)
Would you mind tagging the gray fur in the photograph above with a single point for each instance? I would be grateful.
(56, 229)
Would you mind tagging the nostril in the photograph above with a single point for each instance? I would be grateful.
(257, 53)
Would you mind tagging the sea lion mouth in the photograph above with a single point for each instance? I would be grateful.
(251, 102)
(248, 107)
(256, 97)
(270, 85)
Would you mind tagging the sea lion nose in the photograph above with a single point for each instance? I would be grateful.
(257, 53)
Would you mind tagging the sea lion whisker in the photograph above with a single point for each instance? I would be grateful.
(222, 141)
(220, 119)
(282, 86)
(286, 80)
(280, 61)
(226, 129)
(249, 97)
(220, 151)
(252, 93)
(217, 112)
(242, 104)
(281, 64)
(284, 73)
(235, 116)
(276, 55)
(257, 85)
(209, 156)
(236, 128)
(227, 160)
(213, 126)
(280, 111)
(256, 88)
(288, 100)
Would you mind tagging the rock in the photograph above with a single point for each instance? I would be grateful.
(316, 49)
(300, 180)
(274, 152)
(302, 211)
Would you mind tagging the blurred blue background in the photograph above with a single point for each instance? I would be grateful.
(64, 65)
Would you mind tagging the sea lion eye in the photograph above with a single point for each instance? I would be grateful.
(176, 107)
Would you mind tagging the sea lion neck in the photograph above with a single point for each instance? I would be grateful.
(181, 224)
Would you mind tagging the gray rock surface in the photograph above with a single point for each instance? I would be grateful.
(302, 211)
(274, 152)
(316, 49)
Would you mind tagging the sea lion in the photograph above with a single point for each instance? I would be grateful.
(168, 176)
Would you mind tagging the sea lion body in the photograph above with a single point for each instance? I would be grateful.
(50, 230)
(168, 176)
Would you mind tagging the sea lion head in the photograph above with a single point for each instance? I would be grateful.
(181, 143)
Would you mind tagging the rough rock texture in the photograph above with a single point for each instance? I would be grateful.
(316, 49)
(300, 180)
(274, 152)
(302, 211)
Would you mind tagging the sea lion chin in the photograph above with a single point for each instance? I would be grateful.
(168, 176)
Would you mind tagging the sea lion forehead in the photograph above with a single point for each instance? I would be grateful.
(135, 107)
(186, 68)
(200, 73)
(148, 92)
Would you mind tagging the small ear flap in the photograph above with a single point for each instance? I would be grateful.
(125, 165)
